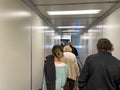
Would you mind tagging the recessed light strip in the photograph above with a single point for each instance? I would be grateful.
(61, 27)
(75, 12)
(71, 31)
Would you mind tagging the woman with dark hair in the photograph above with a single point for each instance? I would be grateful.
(101, 71)
(55, 71)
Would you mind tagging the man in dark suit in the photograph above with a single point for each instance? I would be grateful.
(101, 71)
(74, 50)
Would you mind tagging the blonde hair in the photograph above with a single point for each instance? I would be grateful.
(67, 48)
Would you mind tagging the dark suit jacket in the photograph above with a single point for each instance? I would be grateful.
(49, 71)
(100, 72)
(74, 51)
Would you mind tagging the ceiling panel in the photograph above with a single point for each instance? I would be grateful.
(103, 7)
(68, 1)
(68, 20)
(71, 22)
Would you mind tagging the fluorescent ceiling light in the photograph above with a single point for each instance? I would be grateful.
(71, 31)
(74, 12)
(66, 36)
(94, 31)
(61, 27)
(57, 37)
(85, 37)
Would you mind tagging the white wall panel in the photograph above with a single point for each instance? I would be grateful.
(14, 45)
(37, 51)
(22, 46)
(49, 41)
(112, 31)
(89, 41)
(110, 28)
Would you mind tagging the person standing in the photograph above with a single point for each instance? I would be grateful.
(55, 71)
(73, 69)
(74, 50)
(101, 71)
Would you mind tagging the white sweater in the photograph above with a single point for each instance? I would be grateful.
(73, 69)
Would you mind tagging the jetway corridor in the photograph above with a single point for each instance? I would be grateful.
(28, 32)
